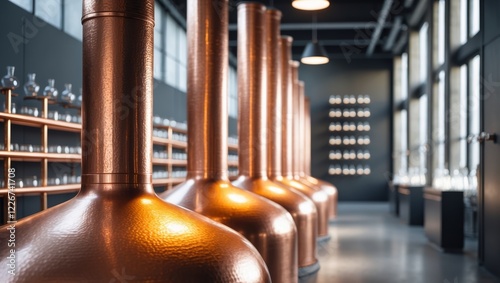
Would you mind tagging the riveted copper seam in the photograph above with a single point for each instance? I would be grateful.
(119, 220)
(286, 115)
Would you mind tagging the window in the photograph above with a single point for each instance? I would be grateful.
(233, 93)
(25, 4)
(176, 56)
(50, 11)
(423, 40)
(439, 33)
(474, 110)
(438, 124)
(422, 146)
(474, 17)
(72, 18)
(159, 51)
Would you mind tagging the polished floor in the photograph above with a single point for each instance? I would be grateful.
(370, 245)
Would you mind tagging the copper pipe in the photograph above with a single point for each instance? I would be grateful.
(117, 217)
(329, 188)
(268, 226)
(258, 35)
(319, 198)
(306, 215)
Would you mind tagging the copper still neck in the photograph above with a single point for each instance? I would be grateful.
(286, 114)
(252, 86)
(274, 100)
(300, 130)
(307, 136)
(207, 89)
(116, 137)
(295, 117)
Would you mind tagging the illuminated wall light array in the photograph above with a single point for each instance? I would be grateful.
(364, 140)
(349, 155)
(349, 170)
(349, 127)
(335, 113)
(365, 112)
(335, 127)
(349, 99)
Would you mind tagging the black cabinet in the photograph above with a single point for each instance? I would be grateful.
(393, 199)
(444, 218)
(411, 204)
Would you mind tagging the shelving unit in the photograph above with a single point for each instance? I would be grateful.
(44, 157)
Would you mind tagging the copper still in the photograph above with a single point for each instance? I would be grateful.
(116, 228)
(207, 190)
(258, 47)
(305, 173)
(319, 197)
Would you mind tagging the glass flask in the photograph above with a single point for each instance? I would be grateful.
(67, 95)
(31, 88)
(50, 89)
(9, 81)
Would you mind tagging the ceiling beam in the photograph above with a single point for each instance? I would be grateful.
(391, 39)
(327, 42)
(326, 26)
(386, 8)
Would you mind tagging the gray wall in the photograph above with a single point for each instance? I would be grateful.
(371, 77)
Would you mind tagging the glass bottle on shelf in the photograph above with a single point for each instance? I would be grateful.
(31, 88)
(50, 89)
(67, 95)
(9, 81)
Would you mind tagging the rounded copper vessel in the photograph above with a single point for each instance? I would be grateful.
(207, 190)
(116, 229)
(258, 34)
(329, 188)
(286, 175)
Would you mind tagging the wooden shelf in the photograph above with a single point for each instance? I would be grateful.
(167, 181)
(178, 162)
(232, 146)
(25, 120)
(232, 163)
(39, 156)
(38, 190)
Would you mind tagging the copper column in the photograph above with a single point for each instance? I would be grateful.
(257, 30)
(305, 173)
(307, 225)
(116, 228)
(319, 198)
(268, 226)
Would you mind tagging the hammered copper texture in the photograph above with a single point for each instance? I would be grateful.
(319, 198)
(116, 229)
(268, 226)
(258, 32)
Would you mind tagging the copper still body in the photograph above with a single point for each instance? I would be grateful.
(305, 173)
(116, 228)
(207, 190)
(287, 177)
(258, 44)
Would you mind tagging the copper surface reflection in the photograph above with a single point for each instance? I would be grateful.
(207, 189)
(116, 228)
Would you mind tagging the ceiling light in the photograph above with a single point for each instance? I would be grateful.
(310, 5)
(314, 53)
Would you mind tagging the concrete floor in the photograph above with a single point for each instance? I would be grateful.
(370, 245)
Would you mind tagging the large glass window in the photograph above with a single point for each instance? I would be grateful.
(25, 4)
(49, 11)
(233, 93)
(438, 124)
(474, 17)
(439, 37)
(474, 109)
(72, 18)
(423, 51)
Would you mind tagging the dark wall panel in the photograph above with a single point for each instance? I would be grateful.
(371, 77)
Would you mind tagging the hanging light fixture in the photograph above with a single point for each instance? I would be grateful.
(310, 5)
(314, 53)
